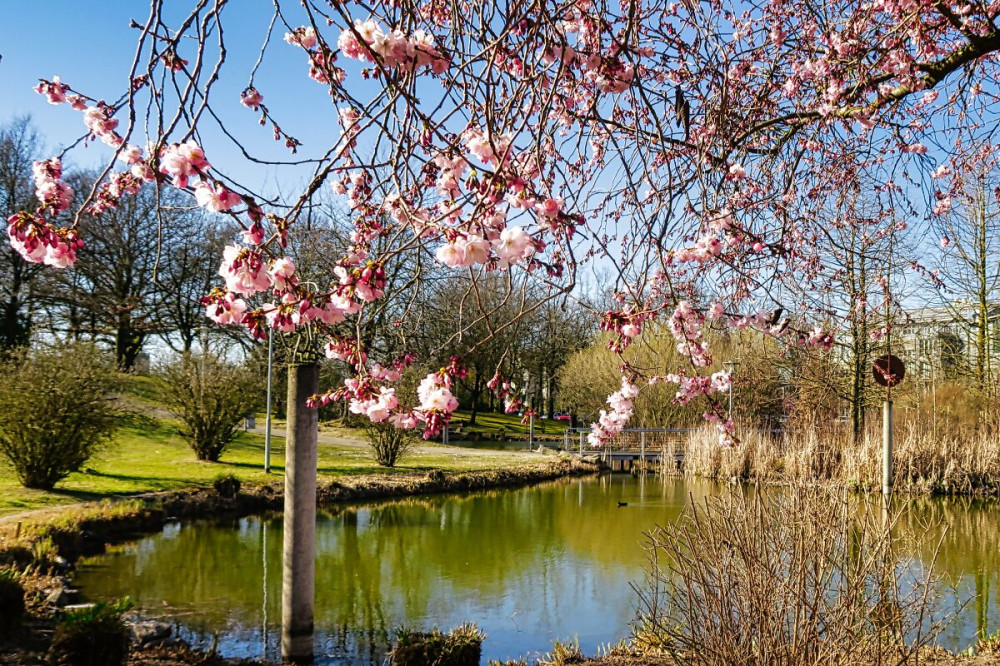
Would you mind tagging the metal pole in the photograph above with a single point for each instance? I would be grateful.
(531, 430)
(267, 431)
(887, 447)
(581, 442)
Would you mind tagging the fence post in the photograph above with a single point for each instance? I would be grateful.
(581, 442)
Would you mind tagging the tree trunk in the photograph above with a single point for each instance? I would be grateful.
(128, 342)
(477, 390)
(15, 332)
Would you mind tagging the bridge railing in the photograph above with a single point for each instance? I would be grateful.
(646, 439)
(629, 439)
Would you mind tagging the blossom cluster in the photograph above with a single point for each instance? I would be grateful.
(366, 40)
(611, 423)
(37, 241)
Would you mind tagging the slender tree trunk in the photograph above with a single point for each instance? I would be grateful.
(552, 394)
(983, 306)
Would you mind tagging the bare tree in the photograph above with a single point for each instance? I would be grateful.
(19, 147)
(970, 265)
(139, 277)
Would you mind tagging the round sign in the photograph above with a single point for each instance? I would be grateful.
(888, 370)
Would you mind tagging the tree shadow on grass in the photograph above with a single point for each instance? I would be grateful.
(87, 495)
(151, 483)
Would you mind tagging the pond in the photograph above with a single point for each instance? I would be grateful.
(529, 566)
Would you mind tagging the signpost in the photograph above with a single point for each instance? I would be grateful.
(887, 371)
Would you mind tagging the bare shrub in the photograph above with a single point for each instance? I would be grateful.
(211, 398)
(56, 409)
(808, 576)
(388, 443)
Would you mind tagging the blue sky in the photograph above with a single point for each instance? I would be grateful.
(90, 46)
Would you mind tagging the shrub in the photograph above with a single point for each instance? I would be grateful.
(93, 636)
(56, 410)
(462, 647)
(227, 485)
(211, 398)
(11, 601)
(811, 576)
(389, 444)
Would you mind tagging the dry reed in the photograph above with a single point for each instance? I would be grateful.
(955, 464)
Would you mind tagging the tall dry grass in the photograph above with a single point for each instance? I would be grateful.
(953, 463)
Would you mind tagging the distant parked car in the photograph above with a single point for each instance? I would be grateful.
(562, 416)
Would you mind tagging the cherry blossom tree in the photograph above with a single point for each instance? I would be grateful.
(686, 146)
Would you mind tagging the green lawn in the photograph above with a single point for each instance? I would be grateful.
(489, 423)
(147, 455)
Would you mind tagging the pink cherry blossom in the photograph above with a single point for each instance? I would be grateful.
(251, 98)
(243, 270)
(513, 245)
(225, 310)
(181, 161)
(282, 273)
(54, 90)
(215, 197)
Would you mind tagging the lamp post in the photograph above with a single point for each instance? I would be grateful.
(267, 431)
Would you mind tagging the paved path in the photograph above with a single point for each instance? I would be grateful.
(278, 440)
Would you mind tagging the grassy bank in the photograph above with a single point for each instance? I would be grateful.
(147, 455)
(44, 538)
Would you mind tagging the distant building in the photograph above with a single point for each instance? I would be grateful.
(943, 339)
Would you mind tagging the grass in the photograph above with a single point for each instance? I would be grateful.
(148, 455)
(490, 423)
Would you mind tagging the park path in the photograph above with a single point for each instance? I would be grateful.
(278, 440)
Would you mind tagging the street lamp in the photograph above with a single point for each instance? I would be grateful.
(267, 431)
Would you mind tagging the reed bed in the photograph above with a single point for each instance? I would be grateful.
(959, 463)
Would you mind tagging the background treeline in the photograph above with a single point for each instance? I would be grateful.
(138, 282)
(137, 285)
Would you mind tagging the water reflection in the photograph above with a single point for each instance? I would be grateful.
(529, 566)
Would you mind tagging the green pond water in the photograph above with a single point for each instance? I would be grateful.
(529, 565)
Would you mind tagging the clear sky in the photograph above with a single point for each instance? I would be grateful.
(90, 46)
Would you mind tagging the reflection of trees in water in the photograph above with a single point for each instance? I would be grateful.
(540, 550)
(968, 531)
